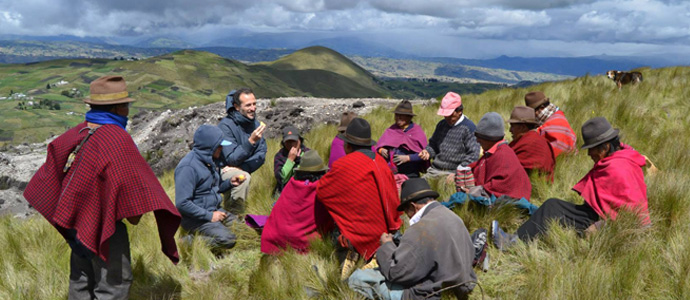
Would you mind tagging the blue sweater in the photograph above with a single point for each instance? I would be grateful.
(241, 153)
(197, 180)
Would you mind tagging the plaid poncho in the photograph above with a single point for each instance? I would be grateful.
(108, 181)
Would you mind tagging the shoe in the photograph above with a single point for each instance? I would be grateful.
(501, 239)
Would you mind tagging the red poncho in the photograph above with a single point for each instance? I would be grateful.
(361, 196)
(534, 153)
(500, 173)
(558, 132)
(295, 219)
(108, 181)
(616, 182)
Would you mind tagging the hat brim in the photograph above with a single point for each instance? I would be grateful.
(602, 140)
(109, 102)
(404, 113)
(513, 121)
(319, 168)
(418, 195)
(349, 141)
(445, 111)
(292, 137)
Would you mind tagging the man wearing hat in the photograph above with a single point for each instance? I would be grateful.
(93, 179)
(338, 145)
(435, 252)
(615, 182)
(402, 142)
(297, 218)
(198, 186)
(554, 126)
(533, 151)
(288, 157)
(360, 193)
(453, 143)
(247, 150)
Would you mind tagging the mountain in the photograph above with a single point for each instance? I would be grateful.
(164, 42)
(26, 51)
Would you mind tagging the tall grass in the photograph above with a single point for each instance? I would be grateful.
(621, 261)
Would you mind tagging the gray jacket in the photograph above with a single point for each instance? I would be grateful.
(434, 253)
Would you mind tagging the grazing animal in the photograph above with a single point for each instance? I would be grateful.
(622, 78)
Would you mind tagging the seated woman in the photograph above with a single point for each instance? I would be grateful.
(337, 151)
(615, 182)
(297, 217)
(402, 141)
(288, 157)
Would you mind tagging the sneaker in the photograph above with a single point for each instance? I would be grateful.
(501, 239)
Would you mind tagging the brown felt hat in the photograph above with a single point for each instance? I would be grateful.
(535, 99)
(404, 108)
(523, 115)
(108, 90)
(345, 120)
(597, 131)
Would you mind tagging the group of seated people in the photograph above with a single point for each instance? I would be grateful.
(358, 197)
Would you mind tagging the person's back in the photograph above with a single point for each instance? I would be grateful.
(500, 173)
(534, 153)
(444, 251)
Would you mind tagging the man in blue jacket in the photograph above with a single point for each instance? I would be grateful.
(198, 186)
(247, 149)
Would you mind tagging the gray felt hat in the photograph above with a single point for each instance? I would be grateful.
(490, 127)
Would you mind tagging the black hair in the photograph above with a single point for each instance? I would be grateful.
(358, 147)
(423, 200)
(531, 126)
(108, 107)
(459, 108)
(311, 176)
(615, 144)
(238, 93)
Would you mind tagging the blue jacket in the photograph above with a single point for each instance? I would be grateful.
(241, 153)
(197, 179)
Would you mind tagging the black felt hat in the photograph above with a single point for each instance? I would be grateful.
(415, 189)
(358, 133)
(596, 131)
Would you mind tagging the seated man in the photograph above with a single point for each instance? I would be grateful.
(554, 126)
(360, 193)
(453, 143)
(615, 182)
(435, 252)
(401, 143)
(338, 146)
(297, 217)
(498, 173)
(246, 152)
(288, 157)
(533, 151)
(198, 186)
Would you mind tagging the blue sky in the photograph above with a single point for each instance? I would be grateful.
(465, 28)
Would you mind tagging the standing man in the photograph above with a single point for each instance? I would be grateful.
(554, 126)
(198, 186)
(434, 253)
(247, 149)
(93, 178)
(453, 142)
(360, 193)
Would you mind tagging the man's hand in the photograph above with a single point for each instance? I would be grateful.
(384, 152)
(218, 216)
(401, 159)
(257, 133)
(424, 155)
(228, 169)
(294, 153)
(385, 238)
(237, 180)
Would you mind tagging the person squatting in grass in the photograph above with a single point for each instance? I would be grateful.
(92, 179)
(615, 182)
(198, 186)
(435, 252)
(288, 157)
(532, 150)
(553, 124)
(247, 150)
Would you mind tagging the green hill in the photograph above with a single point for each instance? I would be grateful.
(621, 261)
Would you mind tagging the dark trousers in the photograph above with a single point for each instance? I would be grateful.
(93, 278)
(565, 213)
(217, 234)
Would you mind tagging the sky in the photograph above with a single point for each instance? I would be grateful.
(461, 28)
